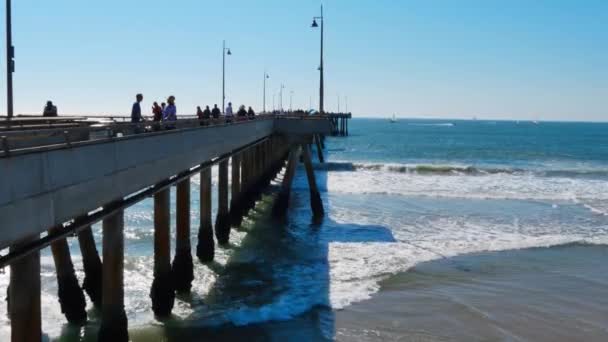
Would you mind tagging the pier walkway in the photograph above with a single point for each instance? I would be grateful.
(58, 178)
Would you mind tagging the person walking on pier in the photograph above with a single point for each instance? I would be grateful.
(170, 113)
(199, 113)
(136, 110)
(50, 110)
(136, 117)
(242, 113)
(157, 112)
(207, 113)
(250, 113)
(229, 114)
(215, 112)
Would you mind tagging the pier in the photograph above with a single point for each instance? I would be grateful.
(59, 178)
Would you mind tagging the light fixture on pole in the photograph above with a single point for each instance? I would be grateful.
(10, 61)
(225, 51)
(264, 101)
(321, 90)
(281, 98)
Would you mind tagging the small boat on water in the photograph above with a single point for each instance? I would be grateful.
(393, 119)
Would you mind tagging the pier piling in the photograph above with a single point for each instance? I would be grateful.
(71, 298)
(24, 297)
(236, 211)
(315, 197)
(182, 271)
(113, 317)
(163, 291)
(222, 221)
(205, 248)
(317, 140)
(92, 266)
(281, 204)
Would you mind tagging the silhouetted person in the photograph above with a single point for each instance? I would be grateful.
(199, 112)
(136, 110)
(251, 113)
(170, 113)
(215, 112)
(242, 113)
(207, 113)
(50, 110)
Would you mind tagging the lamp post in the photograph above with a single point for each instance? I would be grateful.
(225, 51)
(321, 91)
(264, 102)
(291, 101)
(10, 62)
(281, 98)
(273, 106)
(346, 103)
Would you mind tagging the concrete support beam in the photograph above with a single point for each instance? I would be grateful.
(205, 248)
(113, 316)
(92, 266)
(236, 211)
(69, 292)
(282, 202)
(163, 290)
(315, 197)
(222, 221)
(183, 272)
(317, 139)
(24, 297)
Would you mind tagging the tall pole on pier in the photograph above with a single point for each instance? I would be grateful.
(291, 101)
(321, 90)
(265, 77)
(225, 51)
(10, 62)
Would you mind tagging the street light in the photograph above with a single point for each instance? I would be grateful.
(281, 98)
(10, 61)
(291, 101)
(265, 77)
(315, 25)
(225, 51)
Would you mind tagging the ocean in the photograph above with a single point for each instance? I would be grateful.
(435, 230)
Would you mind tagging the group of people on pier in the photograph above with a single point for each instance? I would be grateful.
(167, 113)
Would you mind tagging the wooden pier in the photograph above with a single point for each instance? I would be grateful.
(56, 182)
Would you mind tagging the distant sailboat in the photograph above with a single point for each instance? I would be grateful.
(393, 119)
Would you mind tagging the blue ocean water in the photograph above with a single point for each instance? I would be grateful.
(396, 195)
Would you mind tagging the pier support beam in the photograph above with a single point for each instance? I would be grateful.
(205, 249)
(24, 297)
(317, 139)
(315, 197)
(71, 298)
(113, 317)
(92, 266)
(163, 291)
(236, 211)
(281, 204)
(222, 221)
(183, 272)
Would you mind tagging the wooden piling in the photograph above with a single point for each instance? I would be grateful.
(281, 204)
(317, 140)
(222, 221)
(205, 248)
(163, 290)
(113, 317)
(315, 197)
(71, 298)
(183, 268)
(24, 297)
(92, 266)
(236, 211)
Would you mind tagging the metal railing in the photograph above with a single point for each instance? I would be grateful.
(117, 127)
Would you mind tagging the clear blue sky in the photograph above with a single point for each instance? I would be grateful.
(517, 59)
